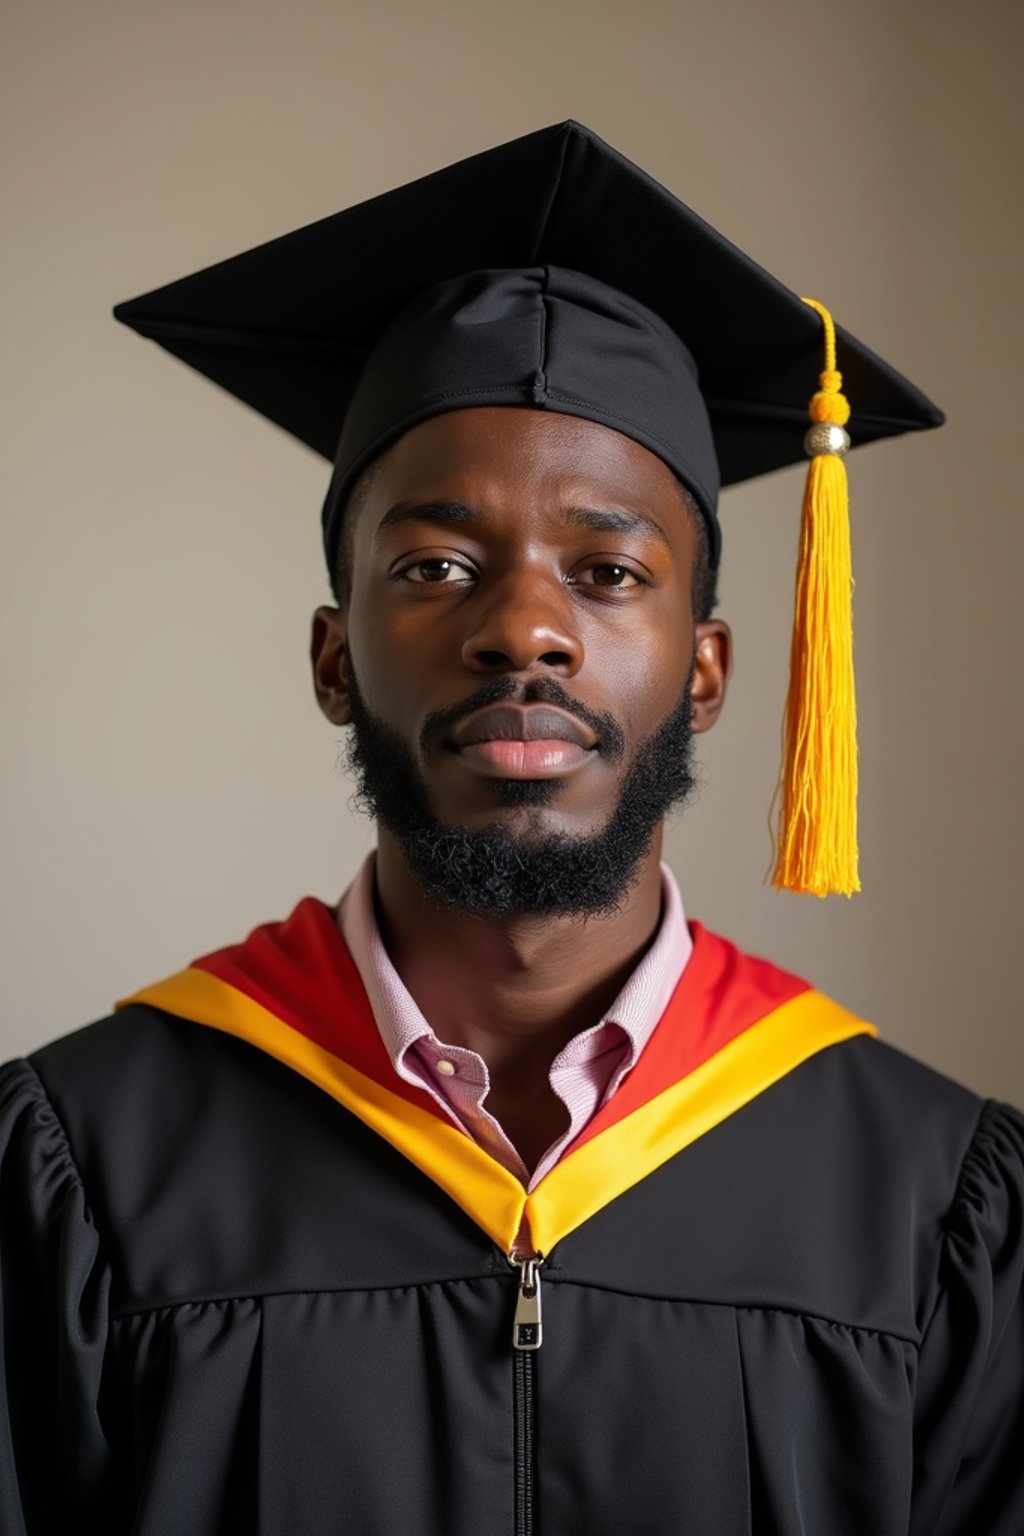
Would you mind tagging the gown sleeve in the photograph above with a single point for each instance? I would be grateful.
(55, 1464)
(969, 1453)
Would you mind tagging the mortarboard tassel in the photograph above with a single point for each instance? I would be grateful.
(817, 844)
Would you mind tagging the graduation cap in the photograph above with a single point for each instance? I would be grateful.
(553, 273)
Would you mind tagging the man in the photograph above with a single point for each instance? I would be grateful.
(501, 1198)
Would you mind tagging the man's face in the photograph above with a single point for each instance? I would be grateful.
(519, 639)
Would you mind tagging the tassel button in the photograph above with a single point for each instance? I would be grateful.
(826, 437)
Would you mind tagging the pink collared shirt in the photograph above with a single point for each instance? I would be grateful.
(584, 1074)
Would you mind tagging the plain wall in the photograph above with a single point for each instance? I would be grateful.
(168, 781)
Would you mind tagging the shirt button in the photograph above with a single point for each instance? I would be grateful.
(446, 1068)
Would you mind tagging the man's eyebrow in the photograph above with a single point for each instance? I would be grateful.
(616, 520)
(445, 513)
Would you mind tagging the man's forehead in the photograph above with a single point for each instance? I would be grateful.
(474, 455)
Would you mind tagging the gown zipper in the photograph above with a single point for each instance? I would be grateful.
(526, 1339)
(526, 1333)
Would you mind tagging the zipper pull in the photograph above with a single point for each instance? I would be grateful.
(526, 1330)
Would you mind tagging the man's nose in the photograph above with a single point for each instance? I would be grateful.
(526, 620)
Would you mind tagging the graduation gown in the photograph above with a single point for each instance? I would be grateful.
(253, 1282)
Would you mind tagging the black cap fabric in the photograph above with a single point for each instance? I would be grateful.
(550, 272)
(544, 337)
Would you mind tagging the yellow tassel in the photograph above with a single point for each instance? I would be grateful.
(817, 842)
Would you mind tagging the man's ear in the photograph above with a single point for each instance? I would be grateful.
(327, 652)
(712, 664)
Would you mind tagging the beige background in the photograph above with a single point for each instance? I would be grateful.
(167, 779)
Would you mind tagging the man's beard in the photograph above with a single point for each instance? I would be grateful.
(499, 873)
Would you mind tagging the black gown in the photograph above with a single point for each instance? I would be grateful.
(230, 1304)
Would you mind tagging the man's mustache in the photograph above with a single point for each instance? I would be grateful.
(611, 739)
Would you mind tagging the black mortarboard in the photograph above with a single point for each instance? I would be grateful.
(553, 273)
(549, 272)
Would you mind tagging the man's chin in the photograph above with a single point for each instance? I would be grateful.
(520, 865)
(523, 812)
(455, 794)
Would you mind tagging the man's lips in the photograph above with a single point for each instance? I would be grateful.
(522, 723)
(523, 742)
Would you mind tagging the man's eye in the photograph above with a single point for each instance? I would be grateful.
(435, 572)
(608, 575)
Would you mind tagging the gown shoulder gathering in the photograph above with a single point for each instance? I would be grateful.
(230, 1305)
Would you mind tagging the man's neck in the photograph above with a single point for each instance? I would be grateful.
(515, 990)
